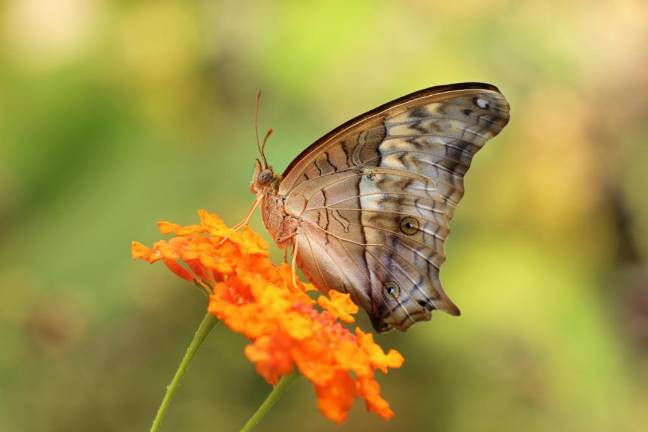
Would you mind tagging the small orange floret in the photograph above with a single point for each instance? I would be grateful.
(339, 305)
(139, 251)
(287, 329)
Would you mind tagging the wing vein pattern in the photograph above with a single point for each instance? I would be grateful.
(374, 198)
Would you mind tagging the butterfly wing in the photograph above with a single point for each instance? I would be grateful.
(373, 198)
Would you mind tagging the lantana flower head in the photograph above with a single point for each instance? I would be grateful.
(286, 327)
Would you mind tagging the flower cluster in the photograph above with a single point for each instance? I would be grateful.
(287, 329)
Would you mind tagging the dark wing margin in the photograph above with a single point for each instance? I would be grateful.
(384, 107)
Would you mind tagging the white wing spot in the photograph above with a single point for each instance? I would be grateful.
(482, 103)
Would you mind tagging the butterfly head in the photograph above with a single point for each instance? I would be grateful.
(263, 177)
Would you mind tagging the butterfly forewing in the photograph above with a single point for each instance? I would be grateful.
(374, 197)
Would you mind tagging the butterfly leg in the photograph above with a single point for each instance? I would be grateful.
(294, 264)
(246, 219)
(294, 255)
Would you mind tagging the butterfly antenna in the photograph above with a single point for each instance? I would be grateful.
(264, 164)
(265, 140)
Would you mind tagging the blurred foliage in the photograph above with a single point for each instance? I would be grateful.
(116, 114)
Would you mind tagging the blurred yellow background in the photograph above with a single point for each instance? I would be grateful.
(114, 114)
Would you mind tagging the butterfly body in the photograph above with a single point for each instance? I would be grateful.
(367, 206)
(279, 224)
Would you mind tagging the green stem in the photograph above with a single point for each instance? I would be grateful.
(204, 328)
(272, 398)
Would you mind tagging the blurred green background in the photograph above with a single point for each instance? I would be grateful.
(114, 114)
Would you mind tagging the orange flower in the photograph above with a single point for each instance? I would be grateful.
(287, 329)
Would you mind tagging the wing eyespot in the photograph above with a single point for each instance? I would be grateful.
(392, 289)
(426, 304)
(409, 225)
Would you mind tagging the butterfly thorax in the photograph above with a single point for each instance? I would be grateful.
(281, 226)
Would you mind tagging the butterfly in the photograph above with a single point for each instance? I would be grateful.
(366, 207)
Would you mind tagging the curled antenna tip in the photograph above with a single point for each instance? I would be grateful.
(265, 140)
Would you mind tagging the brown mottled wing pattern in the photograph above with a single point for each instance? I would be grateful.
(374, 198)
